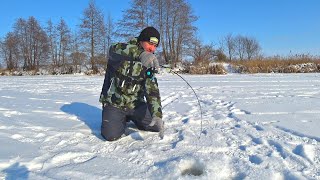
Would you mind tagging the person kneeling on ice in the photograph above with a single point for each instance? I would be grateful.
(130, 89)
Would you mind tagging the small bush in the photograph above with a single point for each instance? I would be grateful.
(217, 69)
(207, 68)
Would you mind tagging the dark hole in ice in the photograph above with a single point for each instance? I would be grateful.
(194, 169)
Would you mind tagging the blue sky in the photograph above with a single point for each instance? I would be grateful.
(280, 26)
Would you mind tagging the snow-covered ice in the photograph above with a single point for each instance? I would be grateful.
(261, 126)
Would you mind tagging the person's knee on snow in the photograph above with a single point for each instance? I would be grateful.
(110, 137)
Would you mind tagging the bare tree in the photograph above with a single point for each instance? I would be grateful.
(195, 52)
(252, 47)
(52, 34)
(43, 49)
(33, 42)
(220, 55)
(64, 39)
(77, 57)
(230, 46)
(109, 37)
(240, 46)
(92, 31)
(185, 30)
(137, 17)
(10, 51)
(175, 23)
(21, 31)
(202, 54)
(173, 19)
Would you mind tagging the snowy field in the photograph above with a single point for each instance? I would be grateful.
(263, 126)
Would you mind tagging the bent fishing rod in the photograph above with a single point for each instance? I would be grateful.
(199, 104)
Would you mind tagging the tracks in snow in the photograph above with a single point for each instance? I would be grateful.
(228, 147)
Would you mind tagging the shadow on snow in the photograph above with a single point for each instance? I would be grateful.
(90, 115)
(16, 171)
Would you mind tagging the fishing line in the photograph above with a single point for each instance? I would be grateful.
(171, 71)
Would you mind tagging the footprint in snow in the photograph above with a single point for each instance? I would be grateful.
(62, 159)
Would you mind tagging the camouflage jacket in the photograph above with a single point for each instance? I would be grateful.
(126, 84)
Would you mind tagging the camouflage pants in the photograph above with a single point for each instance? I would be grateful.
(114, 121)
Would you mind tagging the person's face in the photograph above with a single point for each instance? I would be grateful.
(148, 46)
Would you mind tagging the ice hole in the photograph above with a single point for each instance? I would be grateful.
(192, 168)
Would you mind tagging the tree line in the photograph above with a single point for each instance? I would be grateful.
(31, 46)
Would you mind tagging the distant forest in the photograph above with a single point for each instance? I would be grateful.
(57, 49)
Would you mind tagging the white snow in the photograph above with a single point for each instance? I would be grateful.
(261, 126)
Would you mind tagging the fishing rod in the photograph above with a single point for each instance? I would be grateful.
(173, 72)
